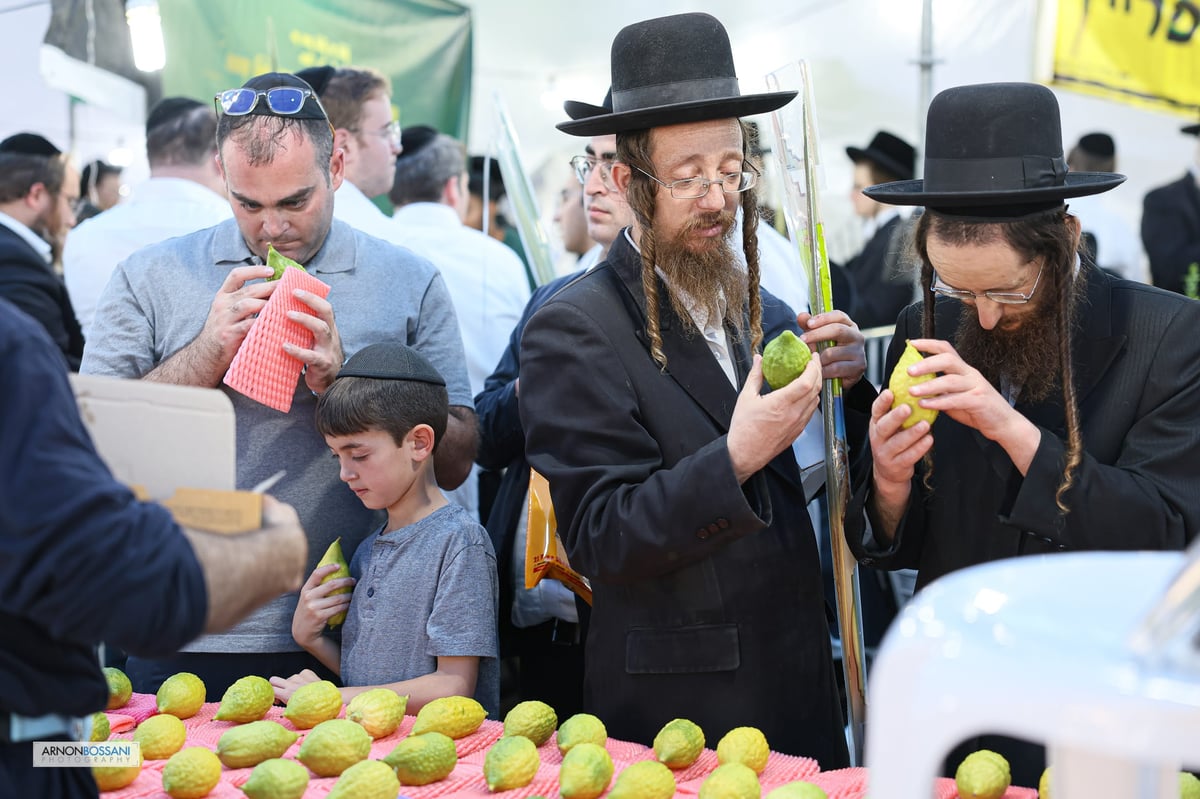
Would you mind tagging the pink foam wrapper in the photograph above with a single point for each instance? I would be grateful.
(261, 370)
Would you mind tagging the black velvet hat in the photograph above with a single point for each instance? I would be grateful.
(169, 108)
(317, 77)
(1100, 145)
(29, 144)
(995, 147)
(672, 70)
(391, 360)
(414, 139)
(890, 152)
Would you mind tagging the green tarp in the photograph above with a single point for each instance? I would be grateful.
(423, 46)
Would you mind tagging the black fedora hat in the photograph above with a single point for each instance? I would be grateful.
(992, 145)
(672, 70)
(890, 152)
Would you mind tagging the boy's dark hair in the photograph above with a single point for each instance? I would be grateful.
(358, 404)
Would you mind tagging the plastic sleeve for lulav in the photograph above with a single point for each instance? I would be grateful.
(544, 552)
(261, 369)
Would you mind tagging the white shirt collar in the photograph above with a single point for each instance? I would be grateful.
(40, 245)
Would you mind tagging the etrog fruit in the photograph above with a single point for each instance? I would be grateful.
(585, 772)
(279, 262)
(334, 746)
(1189, 786)
(276, 778)
(679, 743)
(181, 695)
(798, 790)
(982, 775)
(160, 736)
(746, 745)
(378, 711)
(730, 781)
(422, 759)
(246, 700)
(580, 728)
(367, 779)
(114, 778)
(784, 359)
(101, 729)
(119, 687)
(453, 716)
(334, 555)
(250, 744)
(191, 774)
(511, 763)
(313, 703)
(901, 382)
(645, 779)
(533, 719)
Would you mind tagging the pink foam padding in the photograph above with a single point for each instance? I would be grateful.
(467, 782)
(261, 369)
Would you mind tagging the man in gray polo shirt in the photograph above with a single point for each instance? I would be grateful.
(178, 311)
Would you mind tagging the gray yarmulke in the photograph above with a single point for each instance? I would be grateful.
(390, 360)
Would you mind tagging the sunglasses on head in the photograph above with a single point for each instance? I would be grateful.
(282, 100)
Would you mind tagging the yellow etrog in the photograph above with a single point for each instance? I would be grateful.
(901, 382)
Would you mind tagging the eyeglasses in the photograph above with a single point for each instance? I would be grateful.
(1002, 297)
(282, 100)
(584, 164)
(695, 188)
(389, 132)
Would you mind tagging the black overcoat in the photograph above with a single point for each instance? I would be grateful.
(708, 599)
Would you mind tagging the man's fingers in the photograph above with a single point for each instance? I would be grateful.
(754, 379)
(240, 276)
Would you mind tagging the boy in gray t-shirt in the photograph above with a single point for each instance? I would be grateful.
(422, 617)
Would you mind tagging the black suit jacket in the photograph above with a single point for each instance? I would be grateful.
(1136, 358)
(1171, 232)
(28, 283)
(708, 597)
(881, 288)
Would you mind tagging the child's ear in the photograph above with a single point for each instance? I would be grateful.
(420, 440)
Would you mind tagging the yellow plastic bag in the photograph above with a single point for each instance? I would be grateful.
(544, 553)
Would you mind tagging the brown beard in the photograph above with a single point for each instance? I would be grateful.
(704, 274)
(1026, 357)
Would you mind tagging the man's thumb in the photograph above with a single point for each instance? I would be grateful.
(754, 379)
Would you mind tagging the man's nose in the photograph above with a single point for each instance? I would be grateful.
(596, 182)
(990, 313)
(712, 199)
(274, 224)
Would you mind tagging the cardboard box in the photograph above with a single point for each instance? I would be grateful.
(172, 444)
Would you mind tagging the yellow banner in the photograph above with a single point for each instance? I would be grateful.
(1143, 52)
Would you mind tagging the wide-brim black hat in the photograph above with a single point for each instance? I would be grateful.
(888, 151)
(669, 71)
(992, 145)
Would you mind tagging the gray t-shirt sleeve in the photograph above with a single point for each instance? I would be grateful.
(121, 343)
(463, 620)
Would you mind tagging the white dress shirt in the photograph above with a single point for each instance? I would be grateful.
(160, 209)
(487, 283)
(40, 245)
(356, 209)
